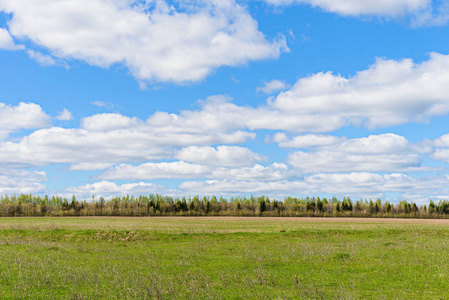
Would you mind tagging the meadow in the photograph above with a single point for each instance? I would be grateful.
(223, 258)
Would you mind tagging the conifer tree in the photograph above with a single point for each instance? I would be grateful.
(262, 206)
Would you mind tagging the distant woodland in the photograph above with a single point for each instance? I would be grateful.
(158, 205)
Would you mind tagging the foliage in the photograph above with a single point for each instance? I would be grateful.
(158, 205)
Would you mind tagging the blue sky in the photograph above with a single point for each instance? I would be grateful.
(276, 97)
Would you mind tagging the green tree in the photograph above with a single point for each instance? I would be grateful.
(319, 205)
(262, 206)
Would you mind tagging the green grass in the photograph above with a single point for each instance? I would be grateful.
(92, 258)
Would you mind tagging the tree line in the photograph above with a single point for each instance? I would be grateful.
(158, 205)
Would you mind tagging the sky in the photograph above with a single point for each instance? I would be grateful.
(225, 97)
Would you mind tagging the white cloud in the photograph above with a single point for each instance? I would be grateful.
(109, 189)
(388, 93)
(219, 113)
(6, 41)
(64, 115)
(89, 166)
(229, 156)
(358, 183)
(441, 155)
(181, 169)
(245, 187)
(21, 181)
(329, 161)
(442, 141)
(307, 141)
(387, 8)
(58, 145)
(108, 139)
(423, 199)
(178, 169)
(441, 152)
(102, 104)
(105, 140)
(417, 12)
(386, 143)
(276, 171)
(41, 59)
(272, 87)
(376, 153)
(108, 122)
(74, 146)
(21, 116)
(434, 15)
(278, 137)
(366, 185)
(155, 40)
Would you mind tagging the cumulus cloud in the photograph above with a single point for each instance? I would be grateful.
(100, 148)
(386, 8)
(21, 181)
(181, 169)
(388, 93)
(42, 59)
(109, 189)
(218, 112)
(230, 187)
(329, 161)
(89, 166)
(442, 141)
(276, 171)
(64, 115)
(424, 188)
(229, 156)
(353, 184)
(440, 148)
(21, 116)
(59, 145)
(272, 87)
(376, 153)
(359, 183)
(107, 139)
(434, 15)
(107, 122)
(441, 155)
(423, 197)
(178, 169)
(387, 143)
(156, 40)
(306, 141)
(6, 41)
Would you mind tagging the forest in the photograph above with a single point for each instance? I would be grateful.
(159, 205)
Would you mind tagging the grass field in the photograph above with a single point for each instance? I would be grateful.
(223, 258)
